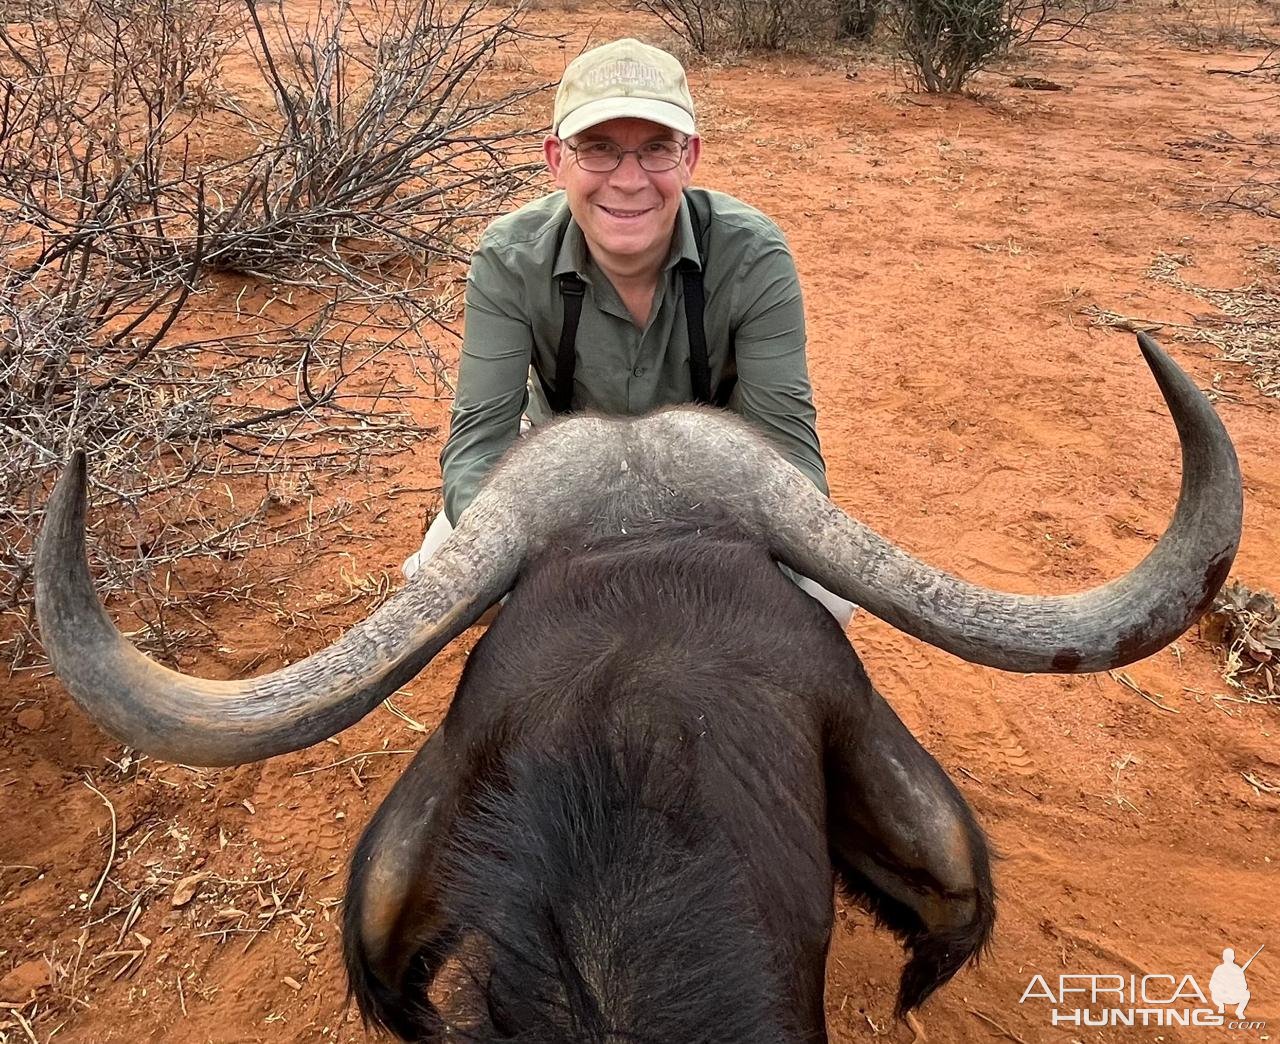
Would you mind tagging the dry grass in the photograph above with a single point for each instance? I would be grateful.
(1208, 24)
(1245, 624)
(1245, 328)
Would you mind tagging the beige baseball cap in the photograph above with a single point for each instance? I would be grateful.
(623, 78)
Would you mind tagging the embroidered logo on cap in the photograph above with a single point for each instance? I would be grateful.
(626, 73)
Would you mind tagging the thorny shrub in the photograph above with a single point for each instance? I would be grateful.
(384, 142)
(129, 250)
(947, 41)
(726, 26)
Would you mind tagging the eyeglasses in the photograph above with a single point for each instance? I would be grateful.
(600, 157)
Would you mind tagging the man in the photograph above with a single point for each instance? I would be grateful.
(626, 290)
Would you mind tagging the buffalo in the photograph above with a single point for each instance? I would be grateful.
(662, 753)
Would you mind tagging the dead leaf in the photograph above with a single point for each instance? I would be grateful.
(185, 890)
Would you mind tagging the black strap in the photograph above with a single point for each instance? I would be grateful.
(694, 305)
(572, 290)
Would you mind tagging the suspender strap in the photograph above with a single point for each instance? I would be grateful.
(694, 305)
(572, 289)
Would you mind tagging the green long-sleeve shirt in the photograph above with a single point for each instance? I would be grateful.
(514, 314)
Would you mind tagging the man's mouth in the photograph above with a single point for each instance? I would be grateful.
(625, 215)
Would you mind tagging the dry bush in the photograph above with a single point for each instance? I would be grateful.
(1215, 23)
(857, 19)
(259, 404)
(947, 41)
(100, 101)
(116, 330)
(712, 27)
(384, 150)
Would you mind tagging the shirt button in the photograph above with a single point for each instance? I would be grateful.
(638, 371)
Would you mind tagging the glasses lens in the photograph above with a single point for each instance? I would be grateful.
(660, 155)
(598, 156)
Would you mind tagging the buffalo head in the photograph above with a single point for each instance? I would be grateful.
(797, 768)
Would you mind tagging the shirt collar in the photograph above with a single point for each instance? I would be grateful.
(684, 247)
(573, 248)
(572, 257)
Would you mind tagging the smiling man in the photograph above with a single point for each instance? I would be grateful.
(627, 290)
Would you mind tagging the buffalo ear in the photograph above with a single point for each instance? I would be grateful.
(396, 935)
(905, 843)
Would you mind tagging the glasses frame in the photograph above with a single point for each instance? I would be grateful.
(624, 153)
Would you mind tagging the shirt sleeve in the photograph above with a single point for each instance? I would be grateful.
(773, 391)
(497, 346)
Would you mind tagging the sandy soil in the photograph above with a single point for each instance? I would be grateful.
(969, 408)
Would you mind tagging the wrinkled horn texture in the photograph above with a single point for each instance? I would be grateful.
(613, 474)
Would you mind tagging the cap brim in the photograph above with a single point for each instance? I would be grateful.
(597, 112)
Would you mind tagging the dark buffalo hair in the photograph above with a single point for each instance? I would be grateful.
(637, 847)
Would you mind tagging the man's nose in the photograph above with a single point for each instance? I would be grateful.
(629, 173)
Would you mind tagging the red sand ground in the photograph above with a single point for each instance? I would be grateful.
(969, 410)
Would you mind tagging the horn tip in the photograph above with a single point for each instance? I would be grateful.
(1148, 344)
(74, 479)
(64, 515)
(78, 468)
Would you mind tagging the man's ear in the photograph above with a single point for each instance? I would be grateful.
(691, 155)
(553, 153)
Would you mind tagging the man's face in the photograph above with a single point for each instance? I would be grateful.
(627, 214)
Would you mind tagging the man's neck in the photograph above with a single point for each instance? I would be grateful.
(635, 279)
(632, 274)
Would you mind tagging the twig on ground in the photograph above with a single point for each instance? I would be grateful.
(412, 723)
(22, 1022)
(353, 757)
(1003, 1031)
(1257, 784)
(1269, 66)
(1152, 698)
(111, 856)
